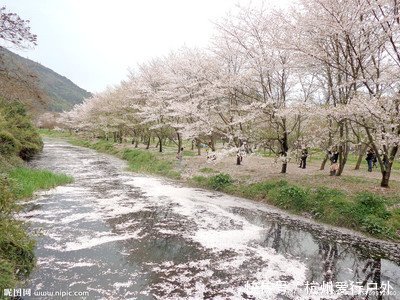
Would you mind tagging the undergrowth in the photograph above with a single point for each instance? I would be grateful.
(27, 181)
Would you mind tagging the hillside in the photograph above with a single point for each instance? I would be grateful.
(40, 88)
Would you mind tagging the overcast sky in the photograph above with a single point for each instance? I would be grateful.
(94, 42)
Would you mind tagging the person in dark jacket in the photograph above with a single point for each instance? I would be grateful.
(303, 158)
(370, 159)
(333, 157)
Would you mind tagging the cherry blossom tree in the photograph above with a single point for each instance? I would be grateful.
(14, 30)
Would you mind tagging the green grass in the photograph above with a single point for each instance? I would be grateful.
(16, 253)
(27, 181)
(207, 170)
(16, 247)
(146, 162)
(54, 133)
(188, 153)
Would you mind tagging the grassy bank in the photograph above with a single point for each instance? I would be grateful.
(356, 208)
(16, 247)
(27, 181)
(367, 212)
(19, 140)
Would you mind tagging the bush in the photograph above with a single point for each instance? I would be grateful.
(259, 190)
(324, 202)
(7, 275)
(375, 225)
(21, 137)
(220, 181)
(200, 180)
(370, 204)
(6, 196)
(8, 144)
(291, 197)
(16, 253)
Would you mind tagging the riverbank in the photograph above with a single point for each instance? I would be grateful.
(353, 201)
(19, 140)
(17, 258)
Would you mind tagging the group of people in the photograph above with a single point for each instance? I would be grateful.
(333, 156)
(372, 159)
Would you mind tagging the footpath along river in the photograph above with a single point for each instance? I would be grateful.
(118, 235)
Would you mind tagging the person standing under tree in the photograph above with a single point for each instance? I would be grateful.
(179, 157)
(239, 158)
(333, 157)
(370, 159)
(303, 158)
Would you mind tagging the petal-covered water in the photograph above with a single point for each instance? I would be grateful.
(117, 235)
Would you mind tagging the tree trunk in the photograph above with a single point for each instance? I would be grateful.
(343, 149)
(179, 141)
(212, 144)
(361, 152)
(148, 143)
(160, 144)
(386, 177)
(284, 168)
(238, 161)
(198, 147)
(324, 162)
(285, 148)
(120, 137)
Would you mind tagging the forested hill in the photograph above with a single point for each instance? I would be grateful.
(38, 87)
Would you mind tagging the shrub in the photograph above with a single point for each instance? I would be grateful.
(16, 253)
(21, 136)
(219, 181)
(375, 225)
(200, 180)
(8, 144)
(370, 204)
(324, 202)
(259, 190)
(292, 197)
(6, 196)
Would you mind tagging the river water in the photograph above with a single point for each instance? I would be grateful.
(119, 235)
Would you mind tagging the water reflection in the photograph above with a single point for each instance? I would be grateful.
(330, 261)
